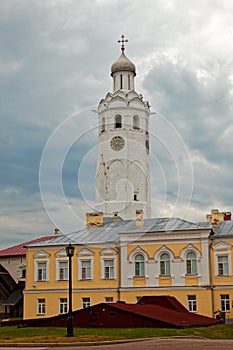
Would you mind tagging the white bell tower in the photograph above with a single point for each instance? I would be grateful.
(123, 174)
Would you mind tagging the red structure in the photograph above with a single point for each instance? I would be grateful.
(157, 312)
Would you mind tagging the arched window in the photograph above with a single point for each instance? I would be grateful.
(103, 125)
(164, 265)
(136, 122)
(139, 265)
(118, 121)
(191, 264)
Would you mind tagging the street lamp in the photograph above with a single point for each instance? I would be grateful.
(70, 253)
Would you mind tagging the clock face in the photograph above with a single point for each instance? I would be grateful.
(117, 143)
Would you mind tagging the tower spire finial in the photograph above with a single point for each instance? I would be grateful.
(123, 41)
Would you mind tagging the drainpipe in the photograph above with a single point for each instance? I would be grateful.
(210, 275)
(119, 274)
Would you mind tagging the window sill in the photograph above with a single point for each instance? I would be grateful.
(39, 281)
(86, 279)
(62, 280)
(165, 276)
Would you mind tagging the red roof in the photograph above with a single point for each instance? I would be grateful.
(20, 248)
(169, 316)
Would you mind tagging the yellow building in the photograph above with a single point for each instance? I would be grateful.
(125, 260)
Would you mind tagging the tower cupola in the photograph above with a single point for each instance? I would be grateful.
(123, 70)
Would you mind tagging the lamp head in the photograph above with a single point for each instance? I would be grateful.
(70, 250)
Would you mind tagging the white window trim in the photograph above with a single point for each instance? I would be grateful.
(84, 255)
(63, 313)
(222, 249)
(157, 256)
(190, 249)
(108, 254)
(41, 257)
(58, 261)
(132, 257)
(37, 311)
(192, 301)
(85, 258)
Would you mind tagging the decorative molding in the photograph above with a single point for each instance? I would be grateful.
(41, 254)
(85, 252)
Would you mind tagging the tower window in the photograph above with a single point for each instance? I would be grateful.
(135, 196)
(121, 81)
(136, 122)
(103, 125)
(128, 82)
(118, 121)
(147, 146)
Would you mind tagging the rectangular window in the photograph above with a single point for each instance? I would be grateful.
(86, 269)
(86, 302)
(165, 268)
(41, 306)
(108, 299)
(223, 266)
(108, 269)
(191, 267)
(121, 81)
(192, 303)
(41, 271)
(139, 269)
(63, 270)
(225, 302)
(63, 305)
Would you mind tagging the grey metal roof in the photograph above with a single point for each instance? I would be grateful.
(109, 232)
(224, 229)
(14, 297)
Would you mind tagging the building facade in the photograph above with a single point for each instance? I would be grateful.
(125, 260)
(122, 254)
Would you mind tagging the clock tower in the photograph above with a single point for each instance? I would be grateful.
(123, 174)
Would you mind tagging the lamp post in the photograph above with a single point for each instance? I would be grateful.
(70, 253)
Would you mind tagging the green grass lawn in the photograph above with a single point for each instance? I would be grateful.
(49, 335)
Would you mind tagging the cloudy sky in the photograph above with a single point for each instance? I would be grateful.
(55, 59)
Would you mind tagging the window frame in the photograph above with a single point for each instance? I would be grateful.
(85, 270)
(136, 125)
(222, 249)
(86, 302)
(225, 303)
(139, 265)
(118, 121)
(64, 269)
(63, 306)
(41, 271)
(41, 306)
(224, 266)
(85, 255)
(102, 129)
(191, 264)
(109, 271)
(165, 265)
(108, 299)
(192, 303)
(41, 257)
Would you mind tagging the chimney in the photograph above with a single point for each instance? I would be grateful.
(139, 218)
(56, 231)
(94, 219)
(215, 217)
